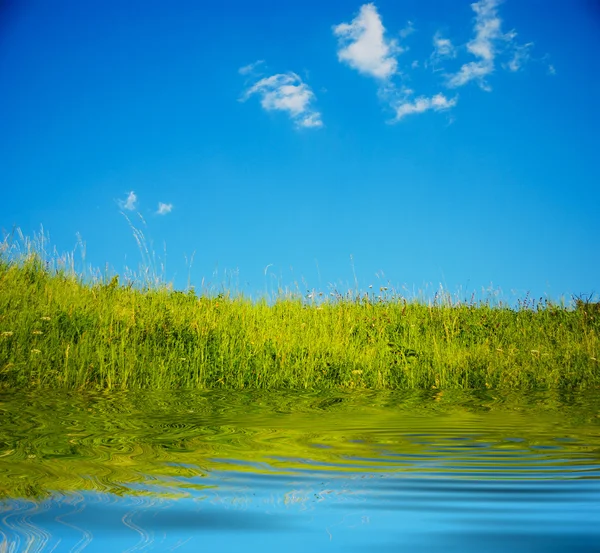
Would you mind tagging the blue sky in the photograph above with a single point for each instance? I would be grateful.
(410, 144)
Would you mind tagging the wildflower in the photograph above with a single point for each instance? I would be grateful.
(37, 332)
(7, 333)
(45, 318)
(36, 351)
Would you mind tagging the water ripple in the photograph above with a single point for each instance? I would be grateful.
(141, 472)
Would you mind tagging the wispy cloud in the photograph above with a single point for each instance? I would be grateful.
(520, 57)
(485, 45)
(545, 61)
(130, 203)
(163, 209)
(247, 69)
(442, 47)
(408, 30)
(443, 50)
(286, 92)
(472, 71)
(439, 102)
(363, 46)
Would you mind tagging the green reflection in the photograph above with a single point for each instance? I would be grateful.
(168, 443)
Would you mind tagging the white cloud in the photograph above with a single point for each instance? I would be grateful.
(442, 47)
(520, 57)
(488, 43)
(439, 102)
(487, 29)
(312, 120)
(163, 209)
(485, 45)
(471, 71)
(286, 92)
(247, 69)
(545, 60)
(363, 47)
(130, 202)
(408, 30)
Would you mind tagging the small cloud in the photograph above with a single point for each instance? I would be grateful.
(545, 60)
(489, 41)
(442, 47)
(414, 64)
(472, 71)
(286, 92)
(408, 30)
(439, 102)
(485, 45)
(520, 57)
(487, 29)
(247, 69)
(163, 209)
(313, 120)
(362, 44)
(130, 202)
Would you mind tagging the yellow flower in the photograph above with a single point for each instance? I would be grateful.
(36, 351)
(7, 333)
(45, 318)
(37, 332)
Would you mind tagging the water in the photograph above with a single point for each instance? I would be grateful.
(414, 472)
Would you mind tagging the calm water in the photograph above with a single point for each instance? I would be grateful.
(235, 471)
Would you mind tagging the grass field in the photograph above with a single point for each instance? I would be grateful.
(59, 329)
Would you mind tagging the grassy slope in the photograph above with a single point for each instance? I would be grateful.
(57, 331)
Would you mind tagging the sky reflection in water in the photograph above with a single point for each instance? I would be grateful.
(361, 471)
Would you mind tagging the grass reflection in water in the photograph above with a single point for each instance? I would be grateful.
(172, 444)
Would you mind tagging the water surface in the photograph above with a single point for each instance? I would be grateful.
(231, 471)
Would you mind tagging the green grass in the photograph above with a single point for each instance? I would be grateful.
(61, 329)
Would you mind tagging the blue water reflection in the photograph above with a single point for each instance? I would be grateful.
(450, 480)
